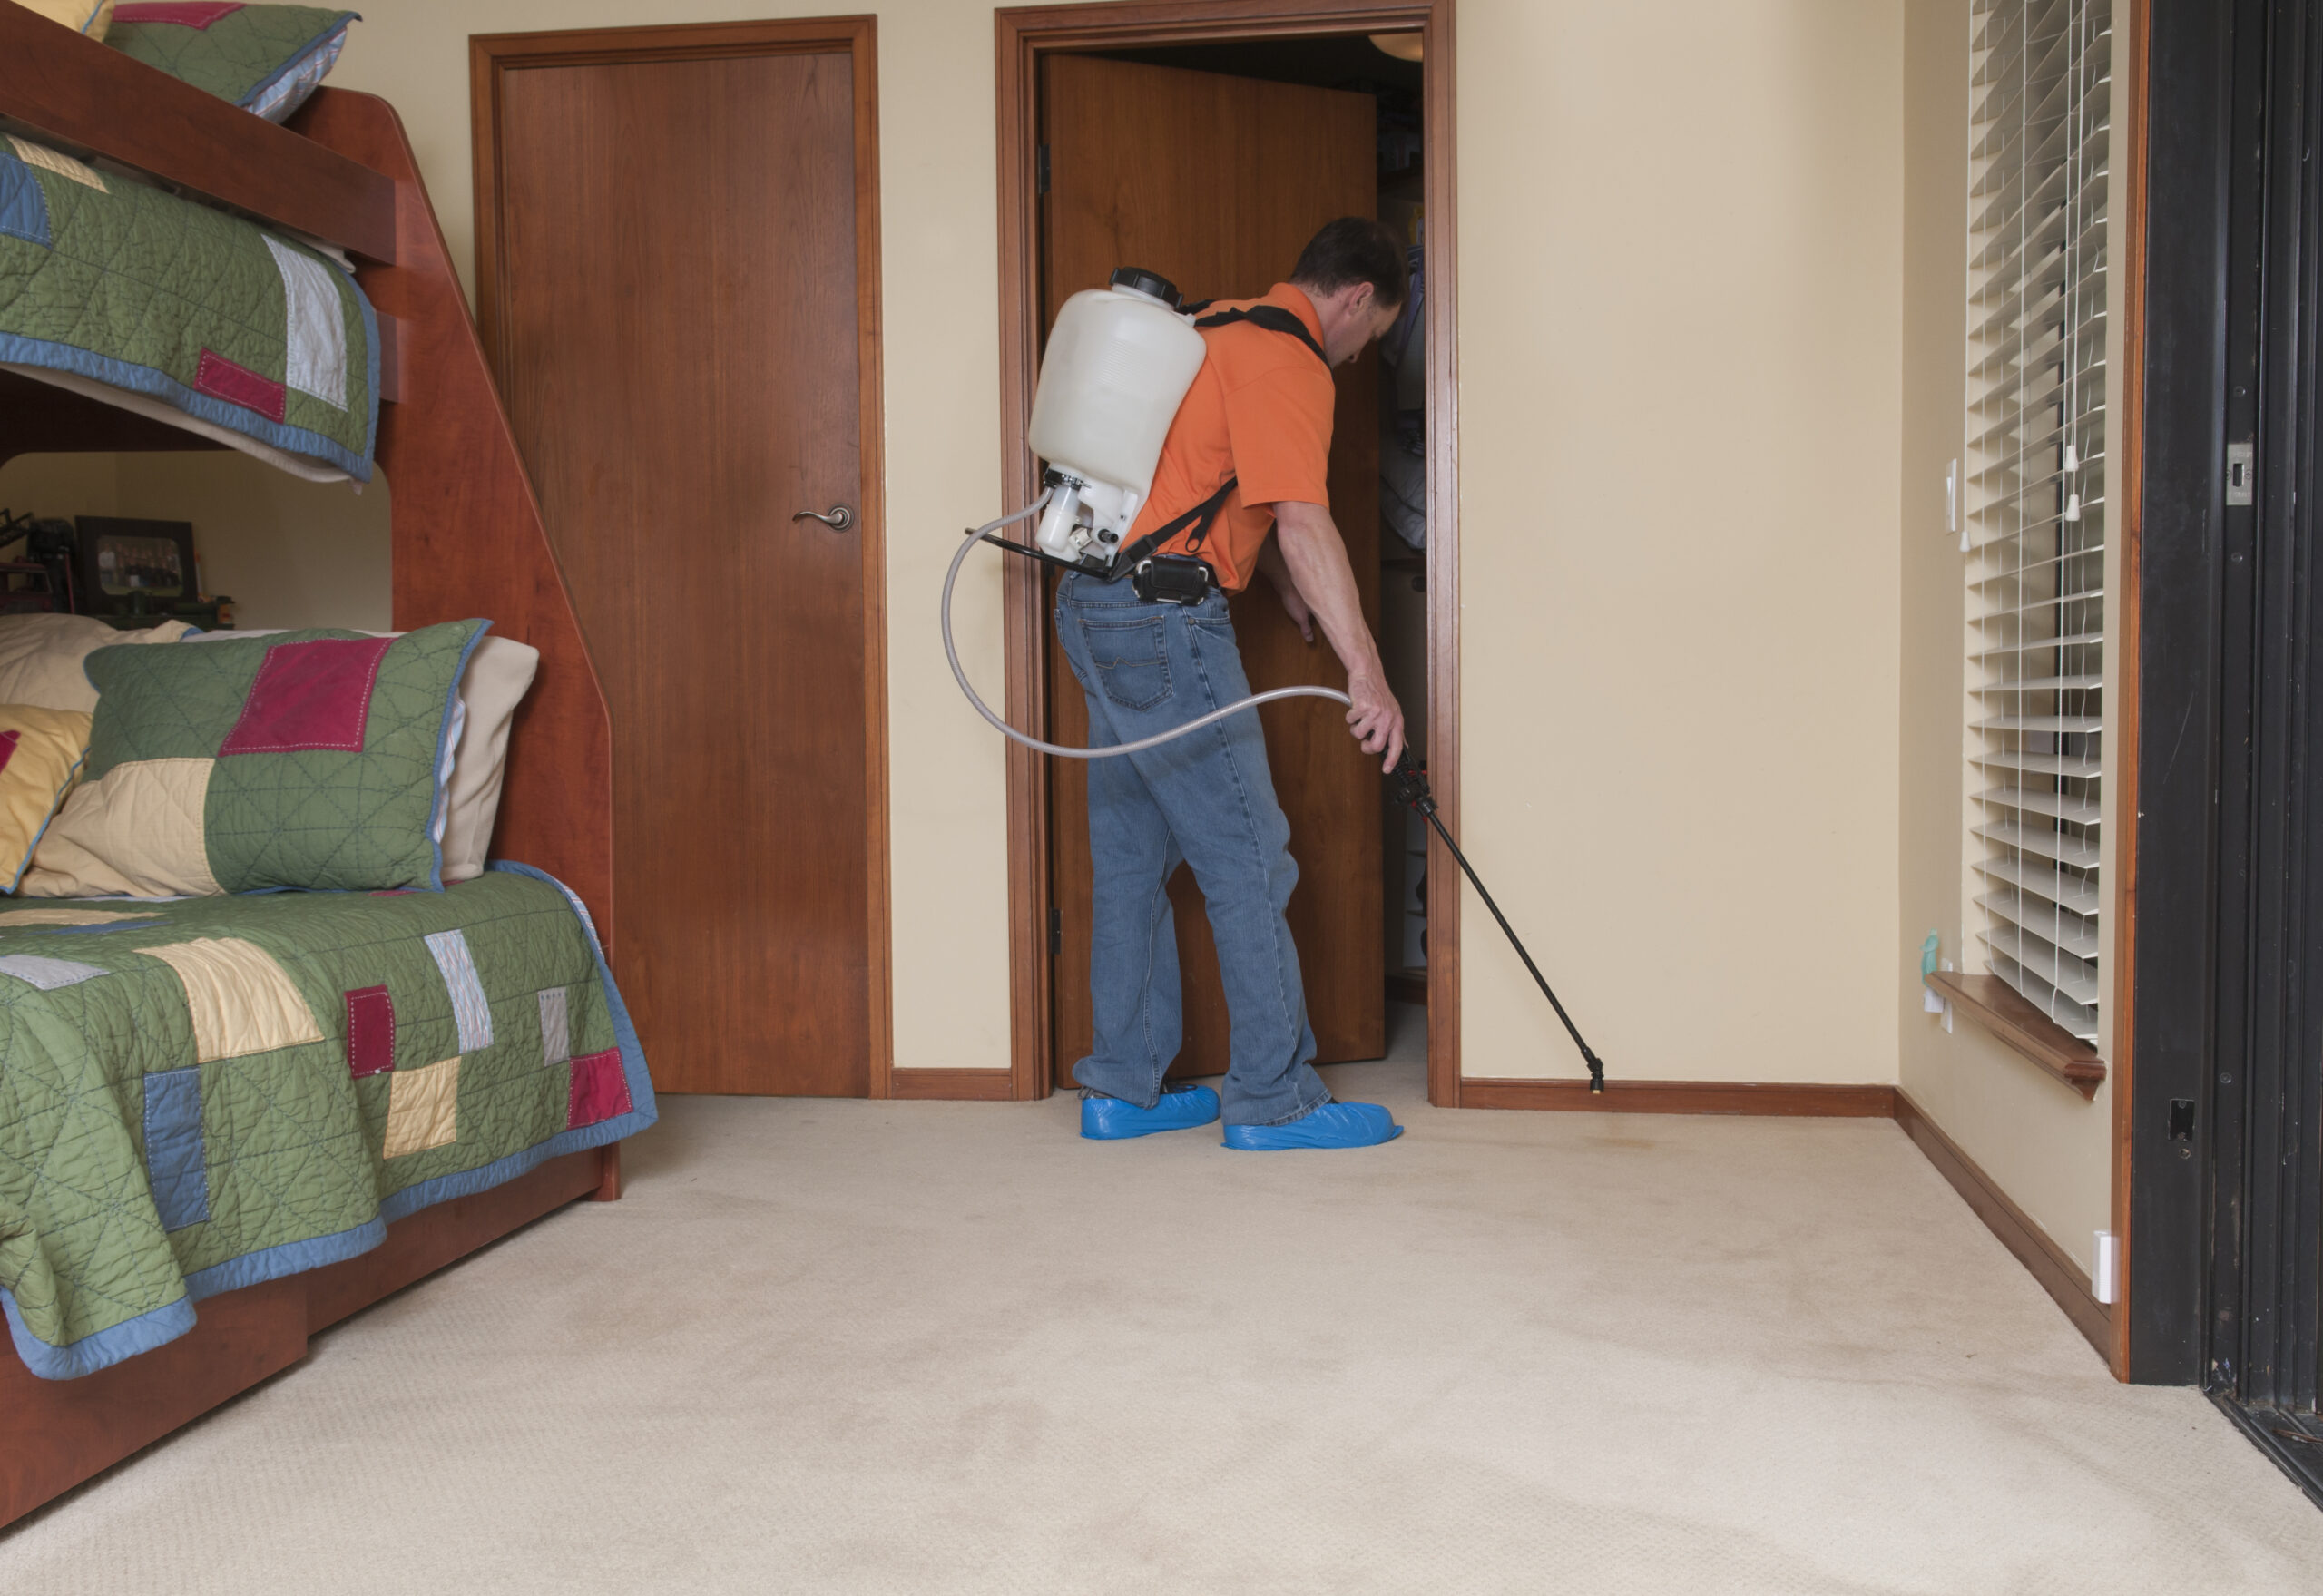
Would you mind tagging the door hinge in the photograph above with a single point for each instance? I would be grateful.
(1040, 170)
(1057, 932)
(2242, 462)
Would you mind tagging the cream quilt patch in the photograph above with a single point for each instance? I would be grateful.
(423, 1109)
(241, 1000)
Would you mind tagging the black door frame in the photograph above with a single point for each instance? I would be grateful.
(2225, 1238)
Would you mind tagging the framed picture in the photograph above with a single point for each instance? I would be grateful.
(128, 567)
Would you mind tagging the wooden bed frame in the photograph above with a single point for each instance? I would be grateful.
(468, 541)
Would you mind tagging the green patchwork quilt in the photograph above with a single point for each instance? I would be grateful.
(108, 278)
(200, 1094)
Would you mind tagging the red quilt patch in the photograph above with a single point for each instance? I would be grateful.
(238, 385)
(371, 1032)
(185, 14)
(309, 695)
(599, 1088)
(8, 740)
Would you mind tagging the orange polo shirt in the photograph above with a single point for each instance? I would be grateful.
(1260, 411)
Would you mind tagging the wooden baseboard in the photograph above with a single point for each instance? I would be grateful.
(1682, 1097)
(952, 1085)
(2059, 1276)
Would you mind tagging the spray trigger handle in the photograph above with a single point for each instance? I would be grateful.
(1411, 789)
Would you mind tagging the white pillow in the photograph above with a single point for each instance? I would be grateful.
(41, 655)
(499, 673)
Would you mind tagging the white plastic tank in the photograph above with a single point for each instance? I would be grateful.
(1120, 360)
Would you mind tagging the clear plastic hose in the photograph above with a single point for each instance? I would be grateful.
(952, 653)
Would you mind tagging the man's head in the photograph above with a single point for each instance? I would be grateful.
(1354, 271)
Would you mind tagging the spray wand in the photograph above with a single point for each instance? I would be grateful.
(1412, 791)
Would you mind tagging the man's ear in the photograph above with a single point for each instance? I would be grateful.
(1360, 300)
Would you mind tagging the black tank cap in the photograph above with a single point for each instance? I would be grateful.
(1147, 282)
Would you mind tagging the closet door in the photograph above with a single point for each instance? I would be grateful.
(671, 255)
(1217, 182)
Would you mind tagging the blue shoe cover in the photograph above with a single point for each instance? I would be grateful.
(1334, 1124)
(1114, 1119)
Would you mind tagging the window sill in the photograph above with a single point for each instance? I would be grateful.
(1998, 1006)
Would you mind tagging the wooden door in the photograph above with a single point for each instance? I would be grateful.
(1217, 183)
(676, 257)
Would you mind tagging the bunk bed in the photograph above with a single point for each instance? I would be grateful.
(468, 541)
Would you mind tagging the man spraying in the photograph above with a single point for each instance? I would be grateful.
(1247, 455)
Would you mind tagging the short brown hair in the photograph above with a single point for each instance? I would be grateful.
(1353, 249)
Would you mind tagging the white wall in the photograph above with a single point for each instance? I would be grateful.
(1680, 277)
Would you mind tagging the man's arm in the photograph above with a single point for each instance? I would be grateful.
(1286, 587)
(1317, 563)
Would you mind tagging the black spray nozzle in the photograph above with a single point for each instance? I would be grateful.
(1410, 778)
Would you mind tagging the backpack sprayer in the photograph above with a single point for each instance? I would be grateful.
(1120, 360)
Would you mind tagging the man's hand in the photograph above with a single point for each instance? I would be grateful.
(1315, 558)
(1376, 719)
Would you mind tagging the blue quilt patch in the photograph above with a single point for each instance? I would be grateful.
(174, 1163)
(24, 208)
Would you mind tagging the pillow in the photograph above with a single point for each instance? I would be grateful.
(41, 752)
(265, 59)
(305, 760)
(41, 656)
(82, 16)
(500, 671)
(498, 675)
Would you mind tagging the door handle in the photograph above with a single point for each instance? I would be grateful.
(838, 519)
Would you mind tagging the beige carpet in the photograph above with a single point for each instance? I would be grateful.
(850, 1346)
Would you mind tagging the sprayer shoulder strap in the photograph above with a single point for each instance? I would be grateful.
(1198, 518)
(1273, 318)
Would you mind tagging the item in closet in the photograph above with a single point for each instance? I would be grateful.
(92, 18)
(41, 752)
(308, 760)
(42, 657)
(265, 59)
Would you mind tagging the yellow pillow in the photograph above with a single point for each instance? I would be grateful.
(41, 754)
(92, 18)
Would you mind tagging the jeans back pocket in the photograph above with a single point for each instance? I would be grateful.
(1132, 661)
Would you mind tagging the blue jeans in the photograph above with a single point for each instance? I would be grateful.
(1208, 801)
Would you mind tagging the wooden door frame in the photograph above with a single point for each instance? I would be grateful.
(1023, 35)
(491, 56)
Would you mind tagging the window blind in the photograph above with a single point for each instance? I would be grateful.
(2033, 494)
